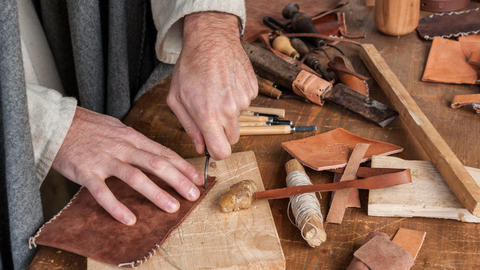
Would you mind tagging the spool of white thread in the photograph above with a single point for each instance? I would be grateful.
(305, 207)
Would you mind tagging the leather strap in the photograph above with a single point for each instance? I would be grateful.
(443, 5)
(462, 100)
(393, 178)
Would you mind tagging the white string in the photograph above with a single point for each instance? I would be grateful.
(174, 262)
(303, 205)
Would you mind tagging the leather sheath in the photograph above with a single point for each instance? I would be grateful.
(450, 25)
(311, 87)
(463, 100)
(85, 228)
(395, 178)
(443, 5)
(330, 150)
(343, 68)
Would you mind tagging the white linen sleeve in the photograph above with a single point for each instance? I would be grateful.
(50, 116)
(168, 16)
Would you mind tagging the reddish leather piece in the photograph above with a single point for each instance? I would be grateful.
(450, 24)
(410, 240)
(380, 254)
(353, 197)
(257, 9)
(330, 150)
(474, 59)
(375, 182)
(310, 87)
(462, 100)
(331, 25)
(356, 264)
(343, 68)
(85, 228)
(447, 61)
(443, 5)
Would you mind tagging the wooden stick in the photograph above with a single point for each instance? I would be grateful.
(314, 221)
(449, 166)
(252, 118)
(279, 112)
(272, 130)
(265, 87)
(252, 124)
(339, 202)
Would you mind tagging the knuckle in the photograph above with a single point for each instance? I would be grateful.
(99, 192)
(130, 132)
(183, 184)
(133, 177)
(161, 196)
(158, 163)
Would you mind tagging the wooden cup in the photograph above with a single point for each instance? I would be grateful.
(397, 17)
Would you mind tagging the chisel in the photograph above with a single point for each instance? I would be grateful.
(274, 130)
(315, 89)
(266, 124)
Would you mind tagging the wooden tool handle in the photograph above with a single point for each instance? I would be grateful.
(455, 174)
(271, 67)
(276, 111)
(253, 124)
(309, 231)
(265, 87)
(283, 45)
(272, 130)
(252, 118)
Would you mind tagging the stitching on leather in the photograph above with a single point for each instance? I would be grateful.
(31, 240)
(458, 34)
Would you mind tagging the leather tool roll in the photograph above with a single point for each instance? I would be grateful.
(443, 5)
(393, 178)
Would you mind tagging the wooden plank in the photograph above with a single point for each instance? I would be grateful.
(339, 201)
(427, 196)
(455, 174)
(210, 239)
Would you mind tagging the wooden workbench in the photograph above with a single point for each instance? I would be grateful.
(448, 245)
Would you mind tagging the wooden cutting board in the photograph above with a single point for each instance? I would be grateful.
(210, 239)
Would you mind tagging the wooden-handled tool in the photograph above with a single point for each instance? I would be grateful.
(271, 67)
(455, 174)
(265, 87)
(276, 111)
(274, 130)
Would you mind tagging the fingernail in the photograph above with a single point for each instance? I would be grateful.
(193, 193)
(198, 179)
(172, 206)
(129, 220)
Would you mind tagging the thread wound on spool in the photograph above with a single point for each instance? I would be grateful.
(304, 206)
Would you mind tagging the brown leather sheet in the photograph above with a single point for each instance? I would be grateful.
(394, 178)
(330, 150)
(448, 61)
(380, 254)
(257, 9)
(356, 264)
(410, 240)
(85, 228)
(443, 5)
(450, 25)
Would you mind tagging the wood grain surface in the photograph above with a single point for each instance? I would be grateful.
(209, 238)
(449, 244)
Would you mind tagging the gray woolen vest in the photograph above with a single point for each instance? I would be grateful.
(104, 53)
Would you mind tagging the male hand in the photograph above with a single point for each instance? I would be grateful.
(98, 146)
(213, 82)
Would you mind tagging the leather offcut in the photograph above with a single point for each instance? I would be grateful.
(380, 253)
(85, 228)
(463, 100)
(330, 150)
(443, 5)
(343, 68)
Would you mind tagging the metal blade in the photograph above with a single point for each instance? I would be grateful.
(309, 128)
(370, 109)
(207, 159)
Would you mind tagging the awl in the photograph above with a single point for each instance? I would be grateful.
(315, 89)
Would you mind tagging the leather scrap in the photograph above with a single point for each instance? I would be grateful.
(443, 5)
(85, 228)
(410, 240)
(380, 254)
(394, 178)
(447, 61)
(330, 150)
(474, 59)
(356, 264)
(346, 74)
(340, 198)
(463, 100)
(353, 197)
(448, 25)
